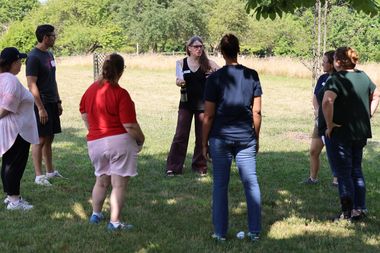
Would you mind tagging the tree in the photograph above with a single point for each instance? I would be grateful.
(14, 10)
(356, 30)
(288, 36)
(165, 25)
(158, 25)
(81, 26)
(273, 8)
(230, 22)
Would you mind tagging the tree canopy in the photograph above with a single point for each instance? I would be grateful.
(165, 25)
(11, 10)
(271, 8)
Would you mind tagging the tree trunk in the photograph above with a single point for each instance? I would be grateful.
(315, 45)
(317, 40)
(325, 25)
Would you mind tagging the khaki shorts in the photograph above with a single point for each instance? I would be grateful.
(315, 135)
(115, 155)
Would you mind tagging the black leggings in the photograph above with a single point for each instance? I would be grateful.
(13, 166)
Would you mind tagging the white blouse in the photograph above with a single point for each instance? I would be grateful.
(21, 119)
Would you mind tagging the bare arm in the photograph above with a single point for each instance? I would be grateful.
(256, 111)
(374, 101)
(135, 131)
(84, 118)
(32, 85)
(213, 66)
(180, 82)
(328, 111)
(208, 120)
(179, 74)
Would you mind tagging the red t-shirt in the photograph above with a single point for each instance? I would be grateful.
(107, 107)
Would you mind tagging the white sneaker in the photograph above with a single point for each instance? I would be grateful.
(55, 173)
(19, 205)
(42, 180)
(7, 200)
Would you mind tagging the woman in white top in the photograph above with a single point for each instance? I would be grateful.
(18, 127)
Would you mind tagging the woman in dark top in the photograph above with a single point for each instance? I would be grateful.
(191, 75)
(231, 127)
(317, 143)
(350, 99)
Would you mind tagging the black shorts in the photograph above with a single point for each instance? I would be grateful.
(53, 125)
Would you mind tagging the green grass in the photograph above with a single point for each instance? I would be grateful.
(174, 214)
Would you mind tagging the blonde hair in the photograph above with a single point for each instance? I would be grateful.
(347, 56)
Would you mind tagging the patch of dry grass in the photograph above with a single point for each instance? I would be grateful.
(372, 70)
(277, 66)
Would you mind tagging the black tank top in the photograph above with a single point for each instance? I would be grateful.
(195, 86)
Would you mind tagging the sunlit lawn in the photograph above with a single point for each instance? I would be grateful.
(174, 214)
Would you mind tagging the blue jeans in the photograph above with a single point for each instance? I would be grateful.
(346, 158)
(222, 152)
(328, 152)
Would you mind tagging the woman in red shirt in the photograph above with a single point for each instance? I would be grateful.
(114, 138)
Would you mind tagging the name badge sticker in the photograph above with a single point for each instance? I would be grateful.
(186, 72)
(52, 63)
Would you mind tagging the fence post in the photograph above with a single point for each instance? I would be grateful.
(98, 60)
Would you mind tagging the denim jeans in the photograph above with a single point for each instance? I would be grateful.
(346, 158)
(327, 143)
(222, 152)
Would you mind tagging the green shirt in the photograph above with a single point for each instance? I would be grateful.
(352, 104)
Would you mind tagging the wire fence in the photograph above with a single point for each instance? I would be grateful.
(98, 60)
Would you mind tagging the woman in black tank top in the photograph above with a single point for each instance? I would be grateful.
(191, 75)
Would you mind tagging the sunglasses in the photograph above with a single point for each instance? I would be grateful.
(197, 46)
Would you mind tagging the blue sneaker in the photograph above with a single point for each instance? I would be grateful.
(122, 226)
(254, 237)
(95, 219)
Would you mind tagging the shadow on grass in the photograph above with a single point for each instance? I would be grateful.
(166, 210)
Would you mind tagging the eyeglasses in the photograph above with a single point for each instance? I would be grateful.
(197, 46)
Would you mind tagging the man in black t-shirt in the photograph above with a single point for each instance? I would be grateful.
(40, 75)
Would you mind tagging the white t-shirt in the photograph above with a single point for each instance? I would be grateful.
(21, 119)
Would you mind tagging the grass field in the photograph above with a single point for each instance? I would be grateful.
(174, 214)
